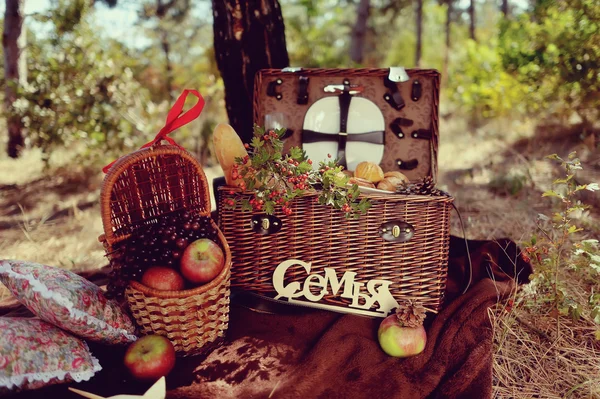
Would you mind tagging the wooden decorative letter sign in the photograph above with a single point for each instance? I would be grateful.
(376, 301)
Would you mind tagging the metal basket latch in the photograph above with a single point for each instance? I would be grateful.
(265, 224)
(396, 231)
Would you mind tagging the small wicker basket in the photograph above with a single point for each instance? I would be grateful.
(141, 188)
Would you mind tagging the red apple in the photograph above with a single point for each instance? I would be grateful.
(150, 357)
(400, 341)
(202, 261)
(163, 278)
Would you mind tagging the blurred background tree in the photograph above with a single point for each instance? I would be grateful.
(13, 23)
(248, 36)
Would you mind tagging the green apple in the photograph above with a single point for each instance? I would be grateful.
(399, 341)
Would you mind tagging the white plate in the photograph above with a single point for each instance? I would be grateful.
(369, 190)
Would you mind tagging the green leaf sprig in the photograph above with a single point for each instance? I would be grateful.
(273, 178)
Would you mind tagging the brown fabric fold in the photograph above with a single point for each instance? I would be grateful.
(307, 353)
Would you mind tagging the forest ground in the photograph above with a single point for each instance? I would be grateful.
(497, 174)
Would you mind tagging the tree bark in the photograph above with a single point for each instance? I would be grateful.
(448, 27)
(13, 22)
(164, 42)
(472, 20)
(22, 42)
(359, 32)
(505, 8)
(248, 36)
(419, 24)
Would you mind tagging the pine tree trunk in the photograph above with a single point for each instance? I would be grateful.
(419, 24)
(13, 22)
(447, 49)
(22, 42)
(472, 20)
(168, 67)
(359, 32)
(248, 36)
(505, 8)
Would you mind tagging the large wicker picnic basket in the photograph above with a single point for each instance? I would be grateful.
(322, 237)
(140, 189)
(329, 261)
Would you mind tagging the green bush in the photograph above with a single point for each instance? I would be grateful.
(480, 86)
(555, 52)
(81, 90)
(545, 62)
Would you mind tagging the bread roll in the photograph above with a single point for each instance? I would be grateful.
(385, 185)
(361, 182)
(228, 147)
(390, 183)
(369, 171)
(396, 174)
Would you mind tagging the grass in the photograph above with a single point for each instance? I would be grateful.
(53, 217)
(530, 361)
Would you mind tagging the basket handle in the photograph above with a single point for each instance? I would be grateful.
(176, 118)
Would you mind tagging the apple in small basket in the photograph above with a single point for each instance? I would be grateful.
(202, 261)
(163, 278)
(150, 358)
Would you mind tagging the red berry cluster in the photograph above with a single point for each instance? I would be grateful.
(229, 201)
(270, 134)
(286, 210)
(300, 182)
(535, 252)
(235, 172)
(257, 204)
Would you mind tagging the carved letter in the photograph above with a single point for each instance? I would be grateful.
(320, 282)
(382, 295)
(347, 280)
(355, 299)
(290, 290)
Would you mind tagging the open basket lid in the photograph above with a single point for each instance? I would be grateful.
(387, 116)
(150, 183)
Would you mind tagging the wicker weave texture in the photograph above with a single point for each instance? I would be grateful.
(190, 322)
(149, 183)
(141, 188)
(323, 236)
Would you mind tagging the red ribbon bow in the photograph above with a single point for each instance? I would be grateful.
(175, 120)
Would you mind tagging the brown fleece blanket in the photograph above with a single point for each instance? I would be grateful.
(278, 351)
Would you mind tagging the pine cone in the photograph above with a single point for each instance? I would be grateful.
(411, 314)
(424, 187)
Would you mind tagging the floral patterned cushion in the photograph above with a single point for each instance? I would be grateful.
(68, 301)
(34, 354)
